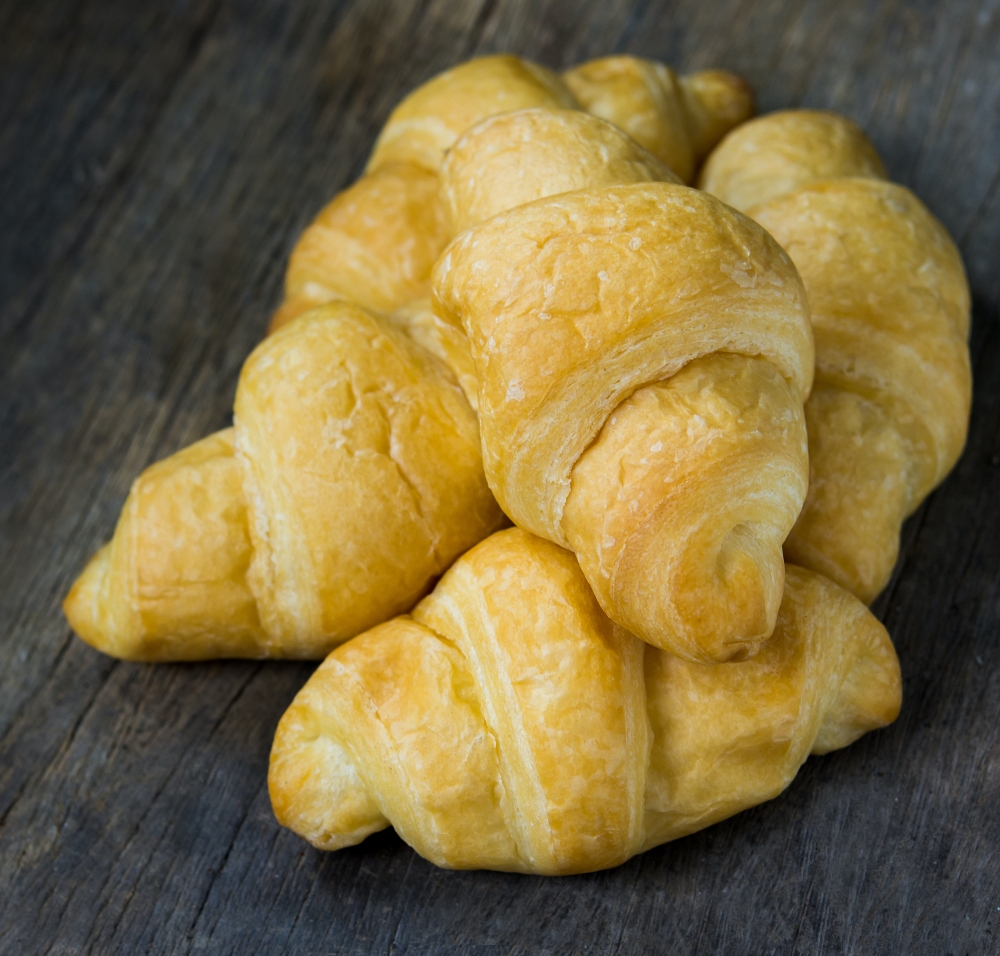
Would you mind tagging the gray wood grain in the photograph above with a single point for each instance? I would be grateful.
(157, 162)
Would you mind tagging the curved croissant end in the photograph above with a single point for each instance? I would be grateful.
(675, 495)
(890, 305)
(171, 584)
(678, 119)
(508, 724)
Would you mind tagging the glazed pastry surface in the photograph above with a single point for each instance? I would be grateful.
(890, 304)
(575, 305)
(678, 119)
(509, 724)
(352, 479)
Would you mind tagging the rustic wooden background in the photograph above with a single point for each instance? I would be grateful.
(157, 160)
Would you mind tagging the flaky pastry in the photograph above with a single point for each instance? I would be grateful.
(352, 479)
(642, 354)
(888, 416)
(508, 724)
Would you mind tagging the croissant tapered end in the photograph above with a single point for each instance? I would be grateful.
(717, 101)
(84, 607)
(171, 584)
(373, 244)
(313, 785)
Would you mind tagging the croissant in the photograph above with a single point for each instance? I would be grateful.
(678, 119)
(888, 416)
(508, 724)
(642, 354)
(351, 480)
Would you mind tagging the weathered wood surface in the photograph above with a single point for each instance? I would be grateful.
(157, 160)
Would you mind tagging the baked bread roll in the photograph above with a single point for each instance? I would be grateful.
(889, 413)
(508, 724)
(678, 119)
(352, 479)
(642, 354)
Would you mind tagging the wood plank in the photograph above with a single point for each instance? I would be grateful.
(159, 160)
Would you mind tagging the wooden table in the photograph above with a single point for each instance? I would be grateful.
(158, 160)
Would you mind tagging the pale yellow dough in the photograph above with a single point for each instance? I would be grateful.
(674, 491)
(352, 479)
(888, 416)
(508, 724)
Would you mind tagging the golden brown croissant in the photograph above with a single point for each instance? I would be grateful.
(888, 416)
(508, 724)
(642, 354)
(352, 479)
(678, 119)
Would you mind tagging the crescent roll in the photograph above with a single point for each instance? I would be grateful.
(508, 724)
(351, 480)
(890, 304)
(677, 118)
(642, 354)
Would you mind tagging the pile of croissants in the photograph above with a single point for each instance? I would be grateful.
(525, 453)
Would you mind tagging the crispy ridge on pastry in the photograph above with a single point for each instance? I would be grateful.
(355, 480)
(890, 303)
(509, 724)
(678, 119)
(573, 306)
